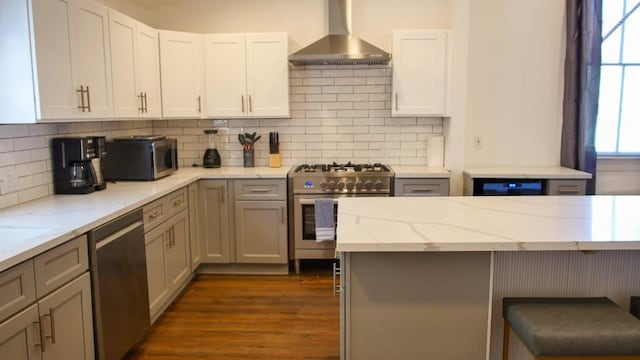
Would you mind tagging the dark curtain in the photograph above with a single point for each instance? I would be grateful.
(581, 87)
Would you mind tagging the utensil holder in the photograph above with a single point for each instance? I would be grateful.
(275, 160)
(248, 158)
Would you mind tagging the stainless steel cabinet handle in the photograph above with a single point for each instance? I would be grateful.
(199, 103)
(88, 99)
(422, 190)
(154, 215)
(53, 326)
(260, 190)
(141, 97)
(250, 104)
(242, 102)
(146, 107)
(81, 107)
(396, 101)
(168, 240)
(173, 235)
(178, 202)
(42, 344)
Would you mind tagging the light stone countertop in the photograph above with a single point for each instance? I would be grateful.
(417, 171)
(488, 223)
(32, 228)
(526, 172)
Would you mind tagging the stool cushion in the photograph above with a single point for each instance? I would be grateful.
(573, 326)
(635, 306)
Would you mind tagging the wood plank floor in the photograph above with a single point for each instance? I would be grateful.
(248, 317)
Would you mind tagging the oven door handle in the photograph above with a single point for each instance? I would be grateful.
(312, 201)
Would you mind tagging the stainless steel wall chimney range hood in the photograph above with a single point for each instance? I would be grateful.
(340, 47)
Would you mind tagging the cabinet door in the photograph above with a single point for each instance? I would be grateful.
(122, 31)
(181, 69)
(156, 248)
(214, 221)
(268, 75)
(16, 71)
(261, 231)
(194, 238)
(226, 75)
(420, 73)
(178, 265)
(566, 187)
(54, 35)
(67, 321)
(93, 57)
(19, 336)
(148, 70)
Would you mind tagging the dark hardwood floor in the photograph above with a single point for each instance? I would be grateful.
(248, 317)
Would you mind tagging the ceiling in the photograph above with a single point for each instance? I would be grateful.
(147, 4)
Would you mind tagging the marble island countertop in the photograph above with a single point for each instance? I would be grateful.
(489, 223)
(29, 229)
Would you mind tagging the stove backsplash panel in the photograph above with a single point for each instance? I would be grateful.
(338, 113)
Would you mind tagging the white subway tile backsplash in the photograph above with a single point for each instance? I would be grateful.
(11, 131)
(353, 97)
(6, 145)
(338, 113)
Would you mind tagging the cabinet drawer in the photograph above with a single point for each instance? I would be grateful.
(154, 214)
(60, 264)
(17, 289)
(176, 201)
(566, 187)
(421, 187)
(260, 190)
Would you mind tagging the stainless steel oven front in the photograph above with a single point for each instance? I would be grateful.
(304, 227)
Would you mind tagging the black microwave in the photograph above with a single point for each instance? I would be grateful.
(140, 158)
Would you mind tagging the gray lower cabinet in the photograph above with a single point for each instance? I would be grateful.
(167, 250)
(213, 221)
(194, 237)
(421, 187)
(261, 231)
(58, 322)
(257, 231)
(566, 187)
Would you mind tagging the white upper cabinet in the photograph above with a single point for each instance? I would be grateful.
(420, 73)
(181, 69)
(148, 70)
(135, 65)
(247, 75)
(60, 64)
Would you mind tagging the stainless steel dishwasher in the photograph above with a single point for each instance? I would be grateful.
(119, 284)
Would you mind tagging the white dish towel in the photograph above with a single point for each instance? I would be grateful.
(325, 220)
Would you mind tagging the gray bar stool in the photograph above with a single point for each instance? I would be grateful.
(571, 328)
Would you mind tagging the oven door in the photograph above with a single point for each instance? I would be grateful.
(305, 224)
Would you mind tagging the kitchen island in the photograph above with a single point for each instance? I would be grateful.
(424, 278)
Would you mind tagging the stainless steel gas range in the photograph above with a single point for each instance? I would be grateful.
(309, 182)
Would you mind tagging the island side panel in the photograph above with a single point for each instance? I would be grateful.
(416, 305)
(615, 274)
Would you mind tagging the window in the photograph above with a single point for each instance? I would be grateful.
(618, 124)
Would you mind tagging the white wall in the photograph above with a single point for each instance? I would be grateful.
(514, 94)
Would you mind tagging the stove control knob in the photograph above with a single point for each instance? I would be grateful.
(331, 185)
(349, 186)
(340, 185)
(359, 185)
(368, 184)
(378, 185)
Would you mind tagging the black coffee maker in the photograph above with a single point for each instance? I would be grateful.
(73, 171)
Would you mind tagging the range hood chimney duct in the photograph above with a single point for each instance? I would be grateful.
(340, 47)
